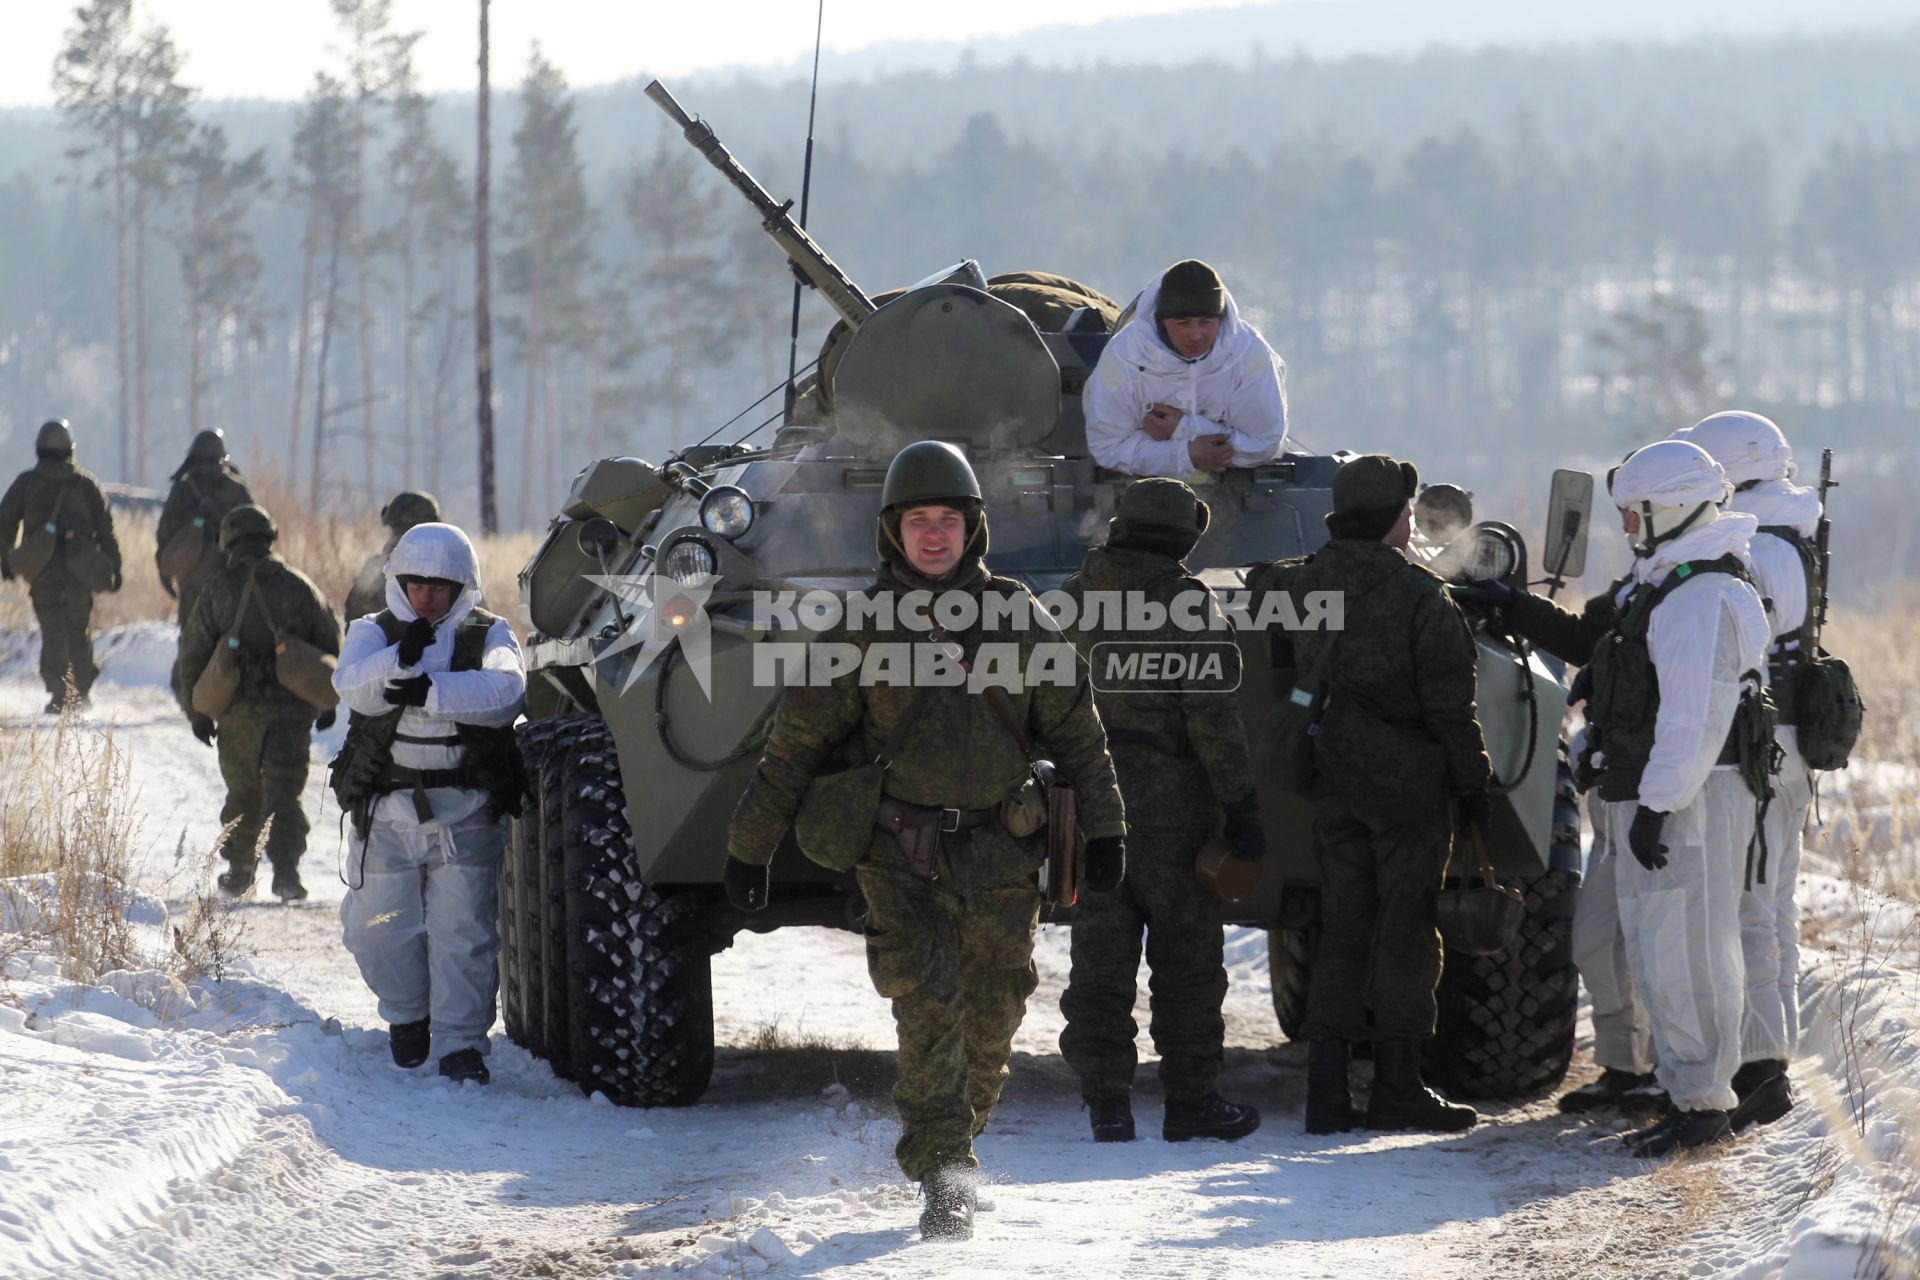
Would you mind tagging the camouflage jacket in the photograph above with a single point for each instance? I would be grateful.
(958, 753)
(1407, 654)
(83, 514)
(208, 490)
(1566, 635)
(368, 594)
(1197, 759)
(286, 596)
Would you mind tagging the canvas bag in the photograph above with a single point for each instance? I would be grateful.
(219, 681)
(834, 824)
(304, 671)
(37, 546)
(188, 545)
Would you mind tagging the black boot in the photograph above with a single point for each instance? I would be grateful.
(950, 1202)
(236, 881)
(1329, 1097)
(1681, 1131)
(1616, 1090)
(464, 1065)
(1401, 1100)
(1211, 1117)
(287, 886)
(1764, 1092)
(1112, 1119)
(408, 1042)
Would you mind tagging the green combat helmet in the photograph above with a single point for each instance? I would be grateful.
(55, 439)
(929, 471)
(246, 521)
(409, 509)
(208, 446)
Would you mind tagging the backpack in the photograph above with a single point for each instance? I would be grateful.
(1814, 688)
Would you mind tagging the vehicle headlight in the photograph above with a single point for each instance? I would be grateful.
(689, 562)
(1491, 553)
(726, 511)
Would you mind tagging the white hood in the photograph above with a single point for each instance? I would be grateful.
(1781, 502)
(1722, 532)
(434, 551)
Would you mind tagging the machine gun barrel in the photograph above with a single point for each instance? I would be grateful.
(1820, 536)
(808, 258)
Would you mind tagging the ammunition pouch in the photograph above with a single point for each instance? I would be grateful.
(1751, 743)
(1024, 812)
(917, 829)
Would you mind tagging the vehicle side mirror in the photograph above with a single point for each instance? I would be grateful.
(597, 537)
(1569, 515)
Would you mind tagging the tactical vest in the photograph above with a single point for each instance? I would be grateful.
(1626, 698)
(1815, 692)
(364, 770)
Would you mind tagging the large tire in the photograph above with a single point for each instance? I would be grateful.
(1506, 1024)
(518, 874)
(639, 989)
(547, 984)
(1289, 969)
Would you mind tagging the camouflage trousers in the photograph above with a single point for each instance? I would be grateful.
(65, 613)
(1378, 949)
(955, 956)
(1162, 897)
(264, 749)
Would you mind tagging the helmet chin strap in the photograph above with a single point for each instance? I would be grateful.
(1648, 542)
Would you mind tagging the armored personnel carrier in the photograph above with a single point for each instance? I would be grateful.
(645, 717)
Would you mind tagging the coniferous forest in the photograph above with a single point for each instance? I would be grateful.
(1494, 261)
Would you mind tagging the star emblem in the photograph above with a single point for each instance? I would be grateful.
(664, 612)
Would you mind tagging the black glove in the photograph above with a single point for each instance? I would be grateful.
(1582, 687)
(409, 693)
(203, 728)
(6, 572)
(324, 721)
(1643, 838)
(1476, 813)
(747, 885)
(1106, 864)
(1488, 593)
(166, 585)
(414, 641)
(114, 584)
(1245, 835)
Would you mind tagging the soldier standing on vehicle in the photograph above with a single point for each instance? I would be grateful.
(369, 591)
(1405, 663)
(429, 774)
(1180, 752)
(1787, 570)
(66, 553)
(187, 541)
(1622, 1036)
(952, 902)
(1676, 726)
(263, 733)
(1187, 386)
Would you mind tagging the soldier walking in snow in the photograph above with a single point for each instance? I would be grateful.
(952, 902)
(429, 774)
(187, 541)
(1180, 752)
(66, 553)
(264, 728)
(1404, 666)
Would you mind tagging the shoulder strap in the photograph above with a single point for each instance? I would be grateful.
(898, 738)
(470, 640)
(59, 500)
(1810, 570)
(390, 627)
(996, 696)
(249, 596)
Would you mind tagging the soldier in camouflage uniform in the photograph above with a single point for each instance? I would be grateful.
(1406, 659)
(263, 736)
(950, 940)
(205, 488)
(1180, 752)
(368, 595)
(86, 559)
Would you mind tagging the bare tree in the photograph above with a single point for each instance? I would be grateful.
(216, 250)
(482, 313)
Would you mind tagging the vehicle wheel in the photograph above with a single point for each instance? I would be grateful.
(1506, 1022)
(518, 873)
(1289, 968)
(550, 953)
(639, 989)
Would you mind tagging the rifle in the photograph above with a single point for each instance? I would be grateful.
(1825, 558)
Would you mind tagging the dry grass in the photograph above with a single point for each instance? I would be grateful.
(327, 544)
(1874, 830)
(66, 836)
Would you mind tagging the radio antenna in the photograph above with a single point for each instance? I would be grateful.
(806, 194)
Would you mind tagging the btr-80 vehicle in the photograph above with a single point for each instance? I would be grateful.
(645, 719)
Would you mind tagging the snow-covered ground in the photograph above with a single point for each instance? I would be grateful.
(256, 1127)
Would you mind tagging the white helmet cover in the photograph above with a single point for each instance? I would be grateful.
(1674, 485)
(1748, 446)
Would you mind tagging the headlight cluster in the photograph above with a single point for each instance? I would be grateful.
(689, 561)
(726, 511)
(1492, 553)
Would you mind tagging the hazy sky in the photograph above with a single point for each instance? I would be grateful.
(270, 48)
